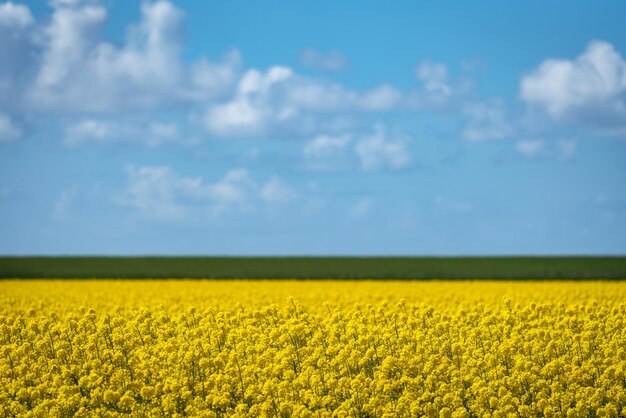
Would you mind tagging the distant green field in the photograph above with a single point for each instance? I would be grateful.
(316, 267)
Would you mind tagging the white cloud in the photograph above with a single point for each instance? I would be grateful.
(231, 189)
(319, 96)
(152, 191)
(15, 16)
(331, 61)
(381, 98)
(279, 101)
(63, 65)
(486, 121)
(588, 91)
(89, 130)
(69, 37)
(212, 80)
(250, 112)
(530, 147)
(435, 79)
(562, 149)
(8, 131)
(377, 151)
(160, 193)
(79, 72)
(129, 130)
(324, 146)
(68, 69)
(439, 91)
(325, 152)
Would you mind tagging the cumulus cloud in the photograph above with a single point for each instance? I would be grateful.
(381, 98)
(331, 61)
(162, 194)
(63, 65)
(278, 101)
(8, 130)
(588, 91)
(209, 80)
(438, 90)
(323, 146)
(89, 130)
(152, 191)
(375, 150)
(79, 72)
(435, 79)
(15, 16)
(326, 152)
(251, 110)
(486, 121)
(380, 151)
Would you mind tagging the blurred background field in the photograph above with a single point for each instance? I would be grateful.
(518, 268)
(116, 297)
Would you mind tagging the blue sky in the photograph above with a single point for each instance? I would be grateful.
(283, 128)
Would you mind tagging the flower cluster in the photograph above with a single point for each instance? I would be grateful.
(367, 349)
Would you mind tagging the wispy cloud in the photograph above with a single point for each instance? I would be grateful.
(486, 121)
(557, 150)
(530, 147)
(159, 193)
(327, 152)
(435, 78)
(115, 130)
(382, 151)
(374, 150)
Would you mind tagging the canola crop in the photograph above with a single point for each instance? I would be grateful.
(312, 348)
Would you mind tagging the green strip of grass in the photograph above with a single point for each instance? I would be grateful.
(316, 267)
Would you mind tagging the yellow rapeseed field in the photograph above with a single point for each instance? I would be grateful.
(312, 348)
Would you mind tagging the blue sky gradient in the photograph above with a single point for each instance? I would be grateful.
(321, 128)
